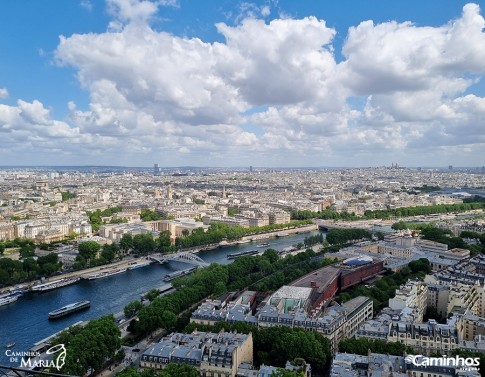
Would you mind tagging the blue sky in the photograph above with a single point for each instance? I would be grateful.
(69, 102)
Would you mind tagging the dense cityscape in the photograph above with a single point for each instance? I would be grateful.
(388, 262)
(244, 188)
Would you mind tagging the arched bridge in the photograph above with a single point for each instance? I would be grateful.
(185, 257)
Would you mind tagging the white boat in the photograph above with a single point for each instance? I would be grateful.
(104, 274)
(8, 300)
(263, 245)
(135, 265)
(176, 274)
(12, 293)
(242, 254)
(68, 309)
(54, 284)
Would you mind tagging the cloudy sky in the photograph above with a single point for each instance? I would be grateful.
(234, 83)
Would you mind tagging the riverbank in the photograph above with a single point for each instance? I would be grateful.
(26, 321)
(262, 236)
(126, 262)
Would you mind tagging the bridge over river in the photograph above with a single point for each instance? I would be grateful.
(184, 256)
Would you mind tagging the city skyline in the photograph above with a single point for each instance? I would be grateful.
(222, 84)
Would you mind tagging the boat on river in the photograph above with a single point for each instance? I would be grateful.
(44, 287)
(104, 274)
(69, 309)
(8, 300)
(134, 266)
(177, 274)
(242, 254)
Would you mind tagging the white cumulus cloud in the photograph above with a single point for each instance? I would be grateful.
(271, 91)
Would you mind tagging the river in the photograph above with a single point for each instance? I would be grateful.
(25, 322)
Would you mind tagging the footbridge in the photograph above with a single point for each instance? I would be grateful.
(185, 257)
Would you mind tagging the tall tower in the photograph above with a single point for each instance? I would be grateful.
(169, 192)
(156, 169)
(251, 168)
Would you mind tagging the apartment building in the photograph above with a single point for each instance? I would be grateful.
(7, 232)
(425, 338)
(413, 295)
(288, 307)
(213, 354)
(279, 218)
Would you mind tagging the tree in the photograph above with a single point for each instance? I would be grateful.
(400, 225)
(91, 346)
(432, 313)
(49, 264)
(179, 370)
(132, 309)
(420, 265)
(280, 372)
(164, 241)
(169, 320)
(220, 288)
(144, 243)
(109, 252)
(152, 294)
(89, 250)
(271, 255)
(27, 248)
(126, 242)
(149, 215)
(67, 195)
(341, 236)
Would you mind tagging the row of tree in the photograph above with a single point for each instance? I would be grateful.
(14, 271)
(342, 236)
(220, 231)
(326, 214)
(171, 370)
(26, 247)
(146, 243)
(91, 347)
(66, 195)
(258, 272)
(422, 210)
(92, 254)
(388, 213)
(149, 215)
(362, 346)
(313, 240)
